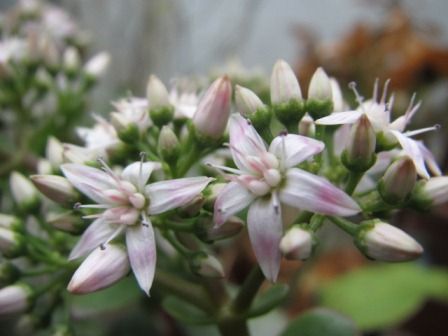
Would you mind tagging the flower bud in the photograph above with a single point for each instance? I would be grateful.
(10, 222)
(193, 207)
(307, 127)
(161, 111)
(23, 192)
(320, 86)
(339, 104)
(11, 243)
(250, 106)
(56, 188)
(54, 152)
(77, 154)
(211, 116)
(15, 299)
(286, 96)
(206, 230)
(168, 144)
(211, 193)
(297, 243)
(43, 79)
(384, 242)
(427, 194)
(8, 273)
(207, 266)
(284, 84)
(398, 181)
(65, 221)
(71, 59)
(97, 65)
(44, 167)
(359, 154)
(102, 268)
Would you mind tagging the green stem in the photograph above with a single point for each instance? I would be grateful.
(183, 289)
(248, 290)
(316, 222)
(349, 227)
(353, 180)
(178, 246)
(233, 327)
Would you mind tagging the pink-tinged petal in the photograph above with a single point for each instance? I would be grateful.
(292, 149)
(412, 148)
(316, 194)
(398, 124)
(171, 194)
(141, 247)
(340, 118)
(244, 142)
(96, 234)
(430, 160)
(138, 174)
(231, 199)
(90, 181)
(264, 224)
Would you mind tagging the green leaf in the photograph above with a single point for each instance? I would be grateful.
(381, 296)
(185, 312)
(269, 300)
(320, 322)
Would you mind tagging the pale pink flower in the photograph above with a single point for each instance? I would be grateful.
(131, 112)
(101, 139)
(267, 177)
(378, 110)
(127, 202)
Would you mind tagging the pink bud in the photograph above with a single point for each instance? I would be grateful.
(212, 114)
(15, 299)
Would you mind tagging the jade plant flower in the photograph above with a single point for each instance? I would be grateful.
(127, 203)
(268, 177)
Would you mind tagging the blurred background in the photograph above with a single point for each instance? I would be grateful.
(354, 40)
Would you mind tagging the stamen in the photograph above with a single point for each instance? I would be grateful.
(77, 205)
(107, 169)
(276, 203)
(93, 206)
(390, 103)
(145, 220)
(114, 234)
(385, 87)
(423, 130)
(358, 97)
(142, 160)
(375, 89)
(94, 216)
(224, 168)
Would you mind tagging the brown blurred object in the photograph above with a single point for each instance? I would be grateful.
(397, 49)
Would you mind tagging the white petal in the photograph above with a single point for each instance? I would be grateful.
(231, 199)
(167, 195)
(314, 193)
(412, 148)
(293, 149)
(142, 254)
(138, 174)
(264, 223)
(430, 160)
(90, 181)
(339, 118)
(96, 234)
(244, 142)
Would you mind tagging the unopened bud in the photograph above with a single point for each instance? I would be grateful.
(286, 96)
(320, 102)
(77, 154)
(10, 222)
(44, 167)
(66, 221)
(15, 299)
(23, 192)
(72, 60)
(398, 181)
(56, 188)
(208, 266)
(193, 207)
(359, 154)
(297, 244)
(43, 79)
(168, 144)
(430, 193)
(12, 243)
(102, 268)
(384, 242)
(161, 110)
(8, 273)
(339, 104)
(212, 114)
(208, 232)
(97, 65)
(54, 152)
(127, 131)
(307, 127)
(251, 107)
(211, 193)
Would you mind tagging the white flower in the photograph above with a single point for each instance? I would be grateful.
(126, 202)
(267, 177)
(101, 138)
(378, 111)
(131, 111)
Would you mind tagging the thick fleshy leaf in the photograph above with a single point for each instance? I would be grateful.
(292, 149)
(264, 224)
(90, 181)
(138, 173)
(171, 194)
(244, 142)
(141, 247)
(316, 194)
(96, 234)
(232, 199)
(340, 118)
(413, 149)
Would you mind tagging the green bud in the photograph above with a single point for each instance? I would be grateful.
(23, 192)
(297, 243)
(289, 113)
(207, 266)
(12, 244)
(168, 144)
(11, 222)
